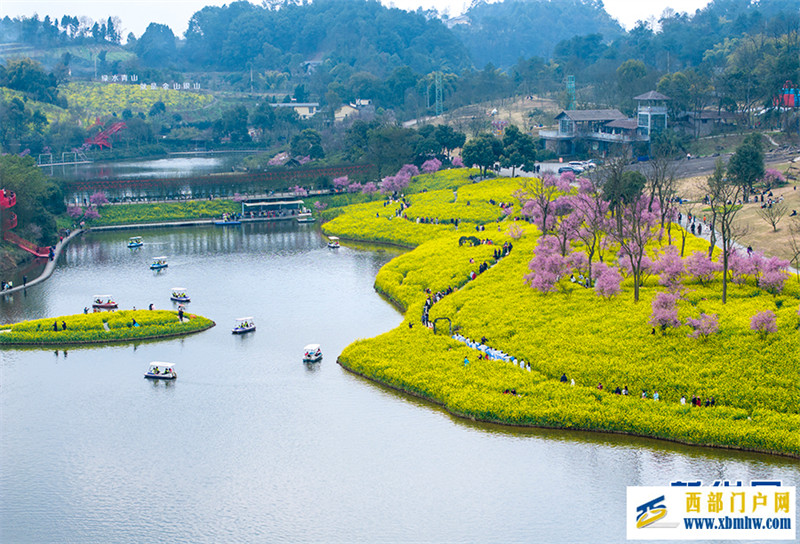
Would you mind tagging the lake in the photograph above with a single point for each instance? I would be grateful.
(250, 444)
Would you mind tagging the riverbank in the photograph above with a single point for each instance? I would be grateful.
(753, 380)
(102, 328)
(51, 264)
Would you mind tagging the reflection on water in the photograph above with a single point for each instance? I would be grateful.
(169, 167)
(250, 444)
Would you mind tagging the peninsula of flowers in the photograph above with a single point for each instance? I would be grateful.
(121, 326)
(577, 350)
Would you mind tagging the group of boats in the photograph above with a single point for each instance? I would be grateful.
(160, 370)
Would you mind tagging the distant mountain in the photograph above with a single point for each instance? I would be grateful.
(362, 34)
(504, 32)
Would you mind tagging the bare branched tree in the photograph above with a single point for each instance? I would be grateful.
(773, 213)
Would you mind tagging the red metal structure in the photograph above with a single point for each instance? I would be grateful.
(8, 200)
(101, 139)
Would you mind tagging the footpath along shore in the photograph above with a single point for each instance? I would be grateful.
(51, 264)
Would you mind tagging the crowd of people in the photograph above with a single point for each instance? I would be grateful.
(696, 401)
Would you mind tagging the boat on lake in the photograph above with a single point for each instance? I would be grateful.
(333, 242)
(244, 325)
(135, 241)
(305, 217)
(161, 371)
(179, 295)
(103, 301)
(159, 263)
(227, 220)
(312, 353)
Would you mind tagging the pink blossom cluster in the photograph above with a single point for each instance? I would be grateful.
(431, 165)
(772, 176)
(98, 198)
(303, 160)
(547, 266)
(341, 183)
(700, 267)
(457, 162)
(369, 188)
(74, 211)
(398, 182)
(764, 323)
(279, 160)
(354, 187)
(607, 280)
(669, 267)
(299, 191)
(91, 213)
(704, 326)
(319, 206)
(665, 314)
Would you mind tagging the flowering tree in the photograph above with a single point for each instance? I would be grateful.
(665, 314)
(636, 224)
(773, 177)
(354, 187)
(700, 267)
(538, 197)
(304, 160)
(299, 191)
(457, 162)
(566, 223)
(515, 232)
(279, 160)
(98, 198)
(319, 206)
(408, 171)
(704, 326)
(764, 323)
(607, 280)
(771, 273)
(369, 188)
(742, 265)
(74, 211)
(431, 165)
(547, 266)
(592, 210)
(91, 213)
(669, 267)
(341, 183)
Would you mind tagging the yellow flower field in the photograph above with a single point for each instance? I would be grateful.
(755, 382)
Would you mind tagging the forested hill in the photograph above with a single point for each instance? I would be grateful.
(362, 34)
(503, 32)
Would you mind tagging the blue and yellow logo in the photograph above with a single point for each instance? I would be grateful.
(650, 512)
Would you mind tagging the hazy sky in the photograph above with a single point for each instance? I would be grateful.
(137, 14)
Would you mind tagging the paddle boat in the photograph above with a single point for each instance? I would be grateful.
(103, 301)
(179, 295)
(159, 263)
(227, 220)
(305, 217)
(333, 242)
(243, 325)
(161, 371)
(312, 353)
(135, 241)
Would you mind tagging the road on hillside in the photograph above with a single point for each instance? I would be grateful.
(684, 168)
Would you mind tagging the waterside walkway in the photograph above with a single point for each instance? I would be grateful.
(51, 264)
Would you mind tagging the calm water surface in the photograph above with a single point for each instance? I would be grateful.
(252, 445)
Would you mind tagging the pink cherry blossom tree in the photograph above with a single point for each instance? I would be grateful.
(98, 198)
(607, 280)
(636, 224)
(369, 188)
(91, 213)
(669, 267)
(741, 266)
(701, 268)
(537, 199)
(431, 165)
(319, 206)
(341, 182)
(457, 162)
(772, 274)
(74, 211)
(764, 323)
(547, 267)
(665, 314)
(704, 326)
(592, 211)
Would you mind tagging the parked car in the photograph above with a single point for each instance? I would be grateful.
(574, 169)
